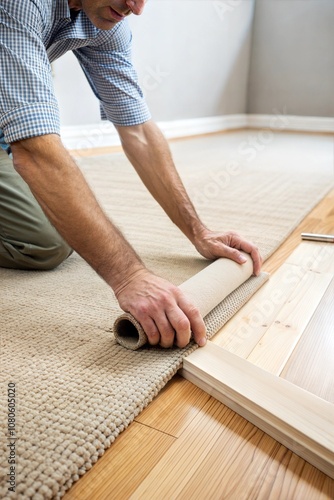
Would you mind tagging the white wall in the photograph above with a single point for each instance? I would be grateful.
(292, 61)
(192, 58)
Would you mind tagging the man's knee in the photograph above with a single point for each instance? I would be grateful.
(53, 253)
(27, 239)
(42, 255)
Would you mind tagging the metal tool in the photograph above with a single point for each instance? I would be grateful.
(329, 238)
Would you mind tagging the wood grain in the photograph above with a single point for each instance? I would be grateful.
(247, 327)
(296, 418)
(268, 327)
(311, 365)
(230, 459)
(275, 347)
(167, 415)
(134, 462)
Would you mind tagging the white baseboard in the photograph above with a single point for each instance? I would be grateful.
(281, 121)
(104, 134)
(198, 126)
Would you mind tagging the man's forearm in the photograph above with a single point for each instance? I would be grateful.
(149, 153)
(71, 207)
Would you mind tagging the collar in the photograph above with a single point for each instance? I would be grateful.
(62, 10)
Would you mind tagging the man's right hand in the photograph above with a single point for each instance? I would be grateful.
(162, 309)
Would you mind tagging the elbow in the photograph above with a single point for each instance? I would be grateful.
(35, 151)
(135, 134)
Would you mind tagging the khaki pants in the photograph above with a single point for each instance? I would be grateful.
(27, 239)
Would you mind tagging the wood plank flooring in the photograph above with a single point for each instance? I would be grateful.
(267, 329)
(316, 352)
(188, 445)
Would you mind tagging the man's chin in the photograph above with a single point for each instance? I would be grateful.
(104, 24)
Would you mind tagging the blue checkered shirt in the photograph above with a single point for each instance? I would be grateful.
(33, 33)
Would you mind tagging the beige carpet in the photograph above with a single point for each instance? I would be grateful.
(76, 389)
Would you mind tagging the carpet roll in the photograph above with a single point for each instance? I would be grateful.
(205, 290)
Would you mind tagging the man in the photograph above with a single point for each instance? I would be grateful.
(46, 207)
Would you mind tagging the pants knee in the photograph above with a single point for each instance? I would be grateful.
(44, 255)
(52, 255)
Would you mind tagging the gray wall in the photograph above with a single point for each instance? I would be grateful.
(192, 57)
(292, 58)
(203, 48)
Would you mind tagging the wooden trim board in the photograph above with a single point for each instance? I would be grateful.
(296, 418)
(252, 387)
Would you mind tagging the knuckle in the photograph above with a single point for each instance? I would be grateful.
(193, 312)
(153, 338)
(182, 324)
(168, 334)
(152, 333)
(178, 294)
(167, 341)
(145, 309)
(173, 293)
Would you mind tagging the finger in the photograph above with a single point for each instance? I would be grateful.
(166, 331)
(181, 326)
(234, 254)
(151, 330)
(253, 251)
(196, 321)
(257, 261)
(238, 243)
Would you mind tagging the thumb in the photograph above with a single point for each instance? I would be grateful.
(233, 254)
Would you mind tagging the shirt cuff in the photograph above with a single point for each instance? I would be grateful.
(30, 121)
(125, 116)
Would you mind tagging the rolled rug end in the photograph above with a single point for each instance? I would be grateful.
(129, 333)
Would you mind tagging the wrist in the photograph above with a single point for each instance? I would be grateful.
(125, 279)
(195, 231)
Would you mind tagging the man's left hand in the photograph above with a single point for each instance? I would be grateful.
(213, 245)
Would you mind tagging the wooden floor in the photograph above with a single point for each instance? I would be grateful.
(287, 327)
(198, 448)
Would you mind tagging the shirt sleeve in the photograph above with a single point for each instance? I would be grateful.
(28, 106)
(107, 65)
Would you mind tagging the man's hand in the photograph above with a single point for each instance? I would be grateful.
(213, 245)
(161, 308)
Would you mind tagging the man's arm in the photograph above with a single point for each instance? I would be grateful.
(149, 153)
(61, 190)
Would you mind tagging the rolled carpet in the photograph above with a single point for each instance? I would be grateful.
(205, 290)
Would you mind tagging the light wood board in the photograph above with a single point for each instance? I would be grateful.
(241, 367)
(316, 352)
(296, 418)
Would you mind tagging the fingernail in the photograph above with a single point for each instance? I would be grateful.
(202, 342)
(242, 258)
